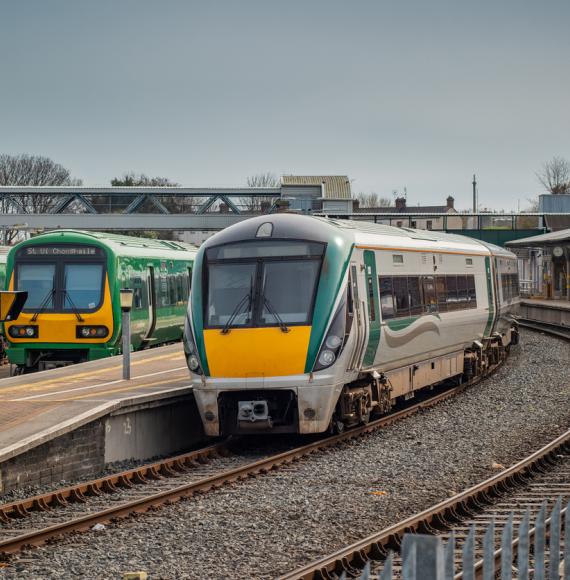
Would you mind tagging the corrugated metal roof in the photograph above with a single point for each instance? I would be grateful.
(542, 239)
(336, 186)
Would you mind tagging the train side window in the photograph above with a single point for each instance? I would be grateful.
(430, 300)
(415, 295)
(462, 296)
(441, 291)
(401, 295)
(386, 298)
(471, 292)
(371, 303)
(451, 284)
(137, 298)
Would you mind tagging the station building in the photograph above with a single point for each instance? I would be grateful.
(544, 264)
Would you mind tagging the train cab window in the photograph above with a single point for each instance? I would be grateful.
(38, 281)
(288, 289)
(386, 298)
(415, 295)
(83, 285)
(230, 288)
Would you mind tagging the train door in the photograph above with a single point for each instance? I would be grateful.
(359, 324)
(151, 291)
(371, 285)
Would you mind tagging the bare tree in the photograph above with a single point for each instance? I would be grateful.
(371, 200)
(267, 179)
(555, 175)
(256, 204)
(31, 170)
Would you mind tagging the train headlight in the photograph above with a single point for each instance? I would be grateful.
(326, 358)
(334, 339)
(193, 363)
(190, 350)
(30, 331)
(91, 331)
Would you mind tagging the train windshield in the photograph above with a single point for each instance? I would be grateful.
(82, 286)
(258, 284)
(38, 280)
(60, 278)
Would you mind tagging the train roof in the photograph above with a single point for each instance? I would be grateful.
(119, 244)
(359, 233)
(369, 232)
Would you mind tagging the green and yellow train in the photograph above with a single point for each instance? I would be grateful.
(73, 279)
(3, 257)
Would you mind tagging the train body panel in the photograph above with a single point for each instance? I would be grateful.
(383, 312)
(74, 280)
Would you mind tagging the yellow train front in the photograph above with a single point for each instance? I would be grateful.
(73, 279)
(259, 338)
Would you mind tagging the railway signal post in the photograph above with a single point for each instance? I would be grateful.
(126, 305)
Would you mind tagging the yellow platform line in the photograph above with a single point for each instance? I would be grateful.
(119, 390)
(47, 383)
(98, 385)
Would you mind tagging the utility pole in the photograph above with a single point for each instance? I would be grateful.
(474, 194)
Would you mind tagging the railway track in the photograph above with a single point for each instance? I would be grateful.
(34, 521)
(552, 329)
(528, 485)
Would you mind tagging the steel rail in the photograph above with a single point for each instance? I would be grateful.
(171, 467)
(546, 327)
(377, 546)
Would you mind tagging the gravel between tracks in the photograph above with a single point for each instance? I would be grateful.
(266, 526)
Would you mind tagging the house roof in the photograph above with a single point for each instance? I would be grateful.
(336, 186)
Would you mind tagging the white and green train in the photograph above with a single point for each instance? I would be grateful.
(303, 324)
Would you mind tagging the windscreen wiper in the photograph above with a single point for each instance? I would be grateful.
(245, 300)
(280, 322)
(43, 304)
(66, 296)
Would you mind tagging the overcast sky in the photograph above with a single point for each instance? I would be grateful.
(394, 94)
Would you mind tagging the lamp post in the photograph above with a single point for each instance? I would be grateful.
(126, 305)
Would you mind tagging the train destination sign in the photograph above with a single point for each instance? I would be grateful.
(61, 251)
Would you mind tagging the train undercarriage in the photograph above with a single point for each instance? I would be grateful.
(375, 393)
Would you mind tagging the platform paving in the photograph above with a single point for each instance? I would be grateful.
(38, 407)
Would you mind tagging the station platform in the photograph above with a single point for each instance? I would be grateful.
(552, 303)
(550, 311)
(89, 413)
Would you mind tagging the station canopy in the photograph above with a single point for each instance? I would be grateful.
(550, 239)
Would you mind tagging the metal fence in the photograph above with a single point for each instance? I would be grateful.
(538, 550)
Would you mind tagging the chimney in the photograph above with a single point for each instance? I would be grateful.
(450, 202)
(400, 203)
